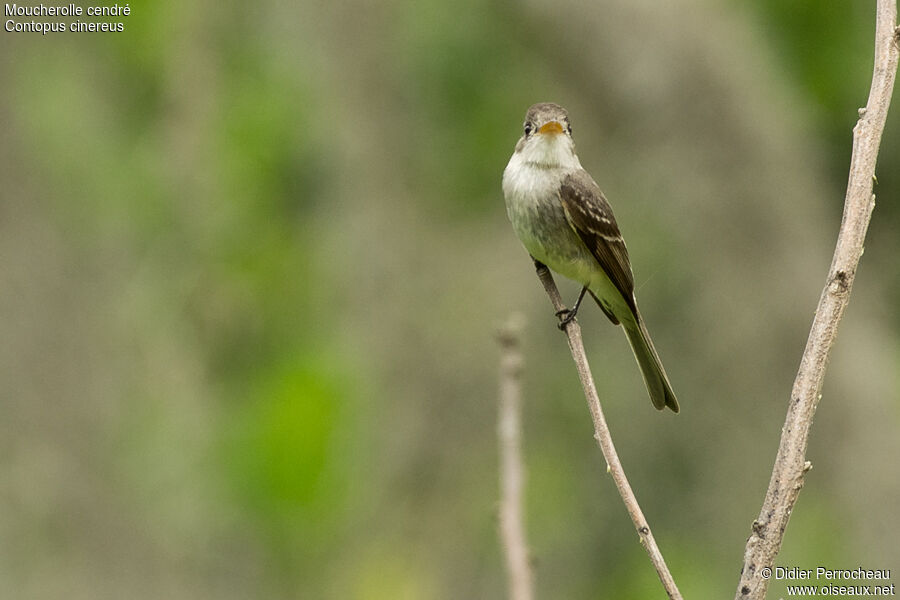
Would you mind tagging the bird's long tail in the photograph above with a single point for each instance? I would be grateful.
(655, 378)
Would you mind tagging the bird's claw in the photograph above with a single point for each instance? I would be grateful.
(565, 317)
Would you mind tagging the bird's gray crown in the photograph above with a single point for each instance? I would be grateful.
(544, 112)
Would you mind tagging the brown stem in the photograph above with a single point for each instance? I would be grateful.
(512, 473)
(790, 464)
(604, 438)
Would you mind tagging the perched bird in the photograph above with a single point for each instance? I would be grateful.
(565, 222)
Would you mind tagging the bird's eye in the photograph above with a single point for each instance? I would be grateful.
(528, 129)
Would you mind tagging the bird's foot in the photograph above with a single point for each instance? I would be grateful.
(565, 316)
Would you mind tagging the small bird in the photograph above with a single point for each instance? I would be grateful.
(565, 222)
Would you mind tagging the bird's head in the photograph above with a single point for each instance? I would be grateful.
(547, 139)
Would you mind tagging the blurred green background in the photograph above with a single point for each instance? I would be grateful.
(253, 256)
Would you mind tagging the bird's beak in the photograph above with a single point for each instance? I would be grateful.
(551, 127)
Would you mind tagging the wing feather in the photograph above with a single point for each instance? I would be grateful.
(591, 216)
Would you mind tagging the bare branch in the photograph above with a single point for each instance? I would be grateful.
(512, 474)
(790, 464)
(602, 434)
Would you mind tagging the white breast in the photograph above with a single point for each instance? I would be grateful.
(531, 190)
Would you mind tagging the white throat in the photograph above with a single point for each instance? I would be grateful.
(538, 166)
(547, 152)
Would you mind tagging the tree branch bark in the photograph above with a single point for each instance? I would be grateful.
(790, 467)
(604, 438)
(512, 473)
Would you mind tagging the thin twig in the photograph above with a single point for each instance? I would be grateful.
(602, 434)
(790, 464)
(512, 473)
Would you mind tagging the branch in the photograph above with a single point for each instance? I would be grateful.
(790, 464)
(512, 474)
(603, 437)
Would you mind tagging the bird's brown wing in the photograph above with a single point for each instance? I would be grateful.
(591, 216)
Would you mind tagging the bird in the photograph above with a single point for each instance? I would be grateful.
(565, 222)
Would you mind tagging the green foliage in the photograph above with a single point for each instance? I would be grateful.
(828, 49)
(466, 80)
(280, 455)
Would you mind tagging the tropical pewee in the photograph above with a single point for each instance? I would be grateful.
(565, 222)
